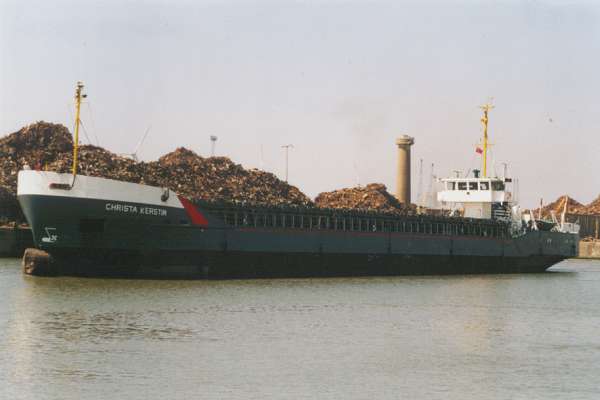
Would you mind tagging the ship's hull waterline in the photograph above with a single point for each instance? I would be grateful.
(101, 226)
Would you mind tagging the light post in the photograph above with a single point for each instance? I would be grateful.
(213, 142)
(287, 147)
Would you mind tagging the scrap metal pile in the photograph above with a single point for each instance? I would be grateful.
(371, 197)
(594, 207)
(557, 207)
(214, 179)
(220, 179)
(34, 145)
(9, 208)
(49, 147)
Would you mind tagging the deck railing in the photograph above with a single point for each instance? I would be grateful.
(354, 221)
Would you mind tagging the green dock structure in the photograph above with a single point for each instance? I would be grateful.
(14, 241)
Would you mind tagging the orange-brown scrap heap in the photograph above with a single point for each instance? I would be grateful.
(49, 147)
(594, 207)
(558, 206)
(373, 197)
(220, 179)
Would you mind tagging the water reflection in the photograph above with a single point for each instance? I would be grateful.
(77, 326)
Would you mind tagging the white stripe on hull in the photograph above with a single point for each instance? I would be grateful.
(88, 187)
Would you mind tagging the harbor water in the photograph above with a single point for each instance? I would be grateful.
(533, 336)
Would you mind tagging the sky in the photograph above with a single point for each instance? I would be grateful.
(339, 80)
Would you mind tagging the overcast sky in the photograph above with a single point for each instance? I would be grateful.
(339, 80)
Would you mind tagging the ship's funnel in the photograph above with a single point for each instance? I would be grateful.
(404, 143)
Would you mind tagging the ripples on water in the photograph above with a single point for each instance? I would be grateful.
(461, 337)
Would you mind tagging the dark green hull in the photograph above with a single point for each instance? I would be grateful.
(89, 240)
(219, 265)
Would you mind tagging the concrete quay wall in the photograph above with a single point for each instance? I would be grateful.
(589, 249)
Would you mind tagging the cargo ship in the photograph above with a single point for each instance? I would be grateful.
(89, 225)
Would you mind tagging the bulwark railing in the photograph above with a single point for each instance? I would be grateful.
(353, 221)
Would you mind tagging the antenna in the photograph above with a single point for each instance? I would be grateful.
(430, 194)
(213, 143)
(420, 193)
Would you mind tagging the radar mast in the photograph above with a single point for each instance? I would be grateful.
(484, 120)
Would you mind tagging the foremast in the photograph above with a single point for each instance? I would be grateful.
(78, 96)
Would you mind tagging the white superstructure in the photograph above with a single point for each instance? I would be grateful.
(485, 197)
(478, 197)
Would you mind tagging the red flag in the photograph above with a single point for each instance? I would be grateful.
(479, 150)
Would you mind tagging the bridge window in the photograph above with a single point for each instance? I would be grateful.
(472, 185)
(484, 186)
